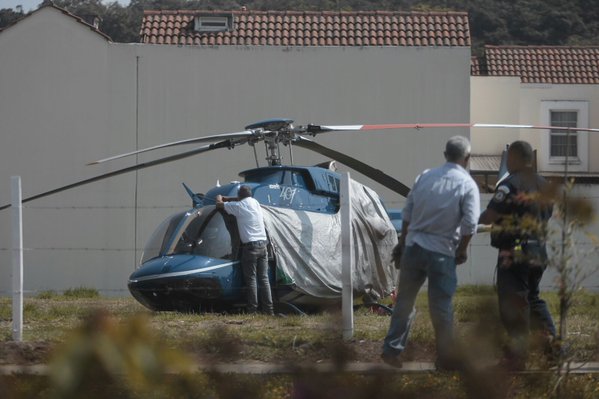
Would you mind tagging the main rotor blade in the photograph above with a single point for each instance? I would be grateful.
(317, 129)
(204, 139)
(367, 170)
(504, 126)
(210, 147)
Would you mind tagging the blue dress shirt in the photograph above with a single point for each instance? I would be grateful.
(443, 205)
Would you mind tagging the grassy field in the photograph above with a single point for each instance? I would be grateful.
(59, 328)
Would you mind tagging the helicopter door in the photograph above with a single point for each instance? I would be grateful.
(206, 235)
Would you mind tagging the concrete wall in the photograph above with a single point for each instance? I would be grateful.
(67, 97)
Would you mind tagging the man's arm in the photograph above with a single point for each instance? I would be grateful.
(404, 233)
(489, 216)
(461, 253)
(497, 205)
(470, 213)
(220, 201)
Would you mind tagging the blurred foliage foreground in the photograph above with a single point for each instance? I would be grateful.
(113, 348)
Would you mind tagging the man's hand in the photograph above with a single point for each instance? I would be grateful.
(461, 253)
(220, 204)
(461, 256)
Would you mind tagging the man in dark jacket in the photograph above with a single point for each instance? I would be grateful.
(519, 214)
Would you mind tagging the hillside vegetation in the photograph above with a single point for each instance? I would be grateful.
(522, 22)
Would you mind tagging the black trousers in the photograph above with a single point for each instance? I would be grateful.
(520, 307)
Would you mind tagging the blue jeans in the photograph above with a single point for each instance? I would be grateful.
(417, 264)
(254, 264)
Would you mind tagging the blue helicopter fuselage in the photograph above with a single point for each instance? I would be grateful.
(191, 261)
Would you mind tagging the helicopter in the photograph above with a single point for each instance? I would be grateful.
(191, 261)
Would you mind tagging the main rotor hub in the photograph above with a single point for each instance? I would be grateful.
(274, 132)
(271, 125)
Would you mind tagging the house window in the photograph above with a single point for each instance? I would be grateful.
(560, 146)
(213, 23)
(562, 142)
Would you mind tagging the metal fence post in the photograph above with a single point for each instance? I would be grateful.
(17, 258)
(347, 258)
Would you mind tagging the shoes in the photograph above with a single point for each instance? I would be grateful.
(554, 351)
(392, 360)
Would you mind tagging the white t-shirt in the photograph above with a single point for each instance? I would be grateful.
(249, 219)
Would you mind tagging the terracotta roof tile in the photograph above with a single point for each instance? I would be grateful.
(299, 28)
(544, 64)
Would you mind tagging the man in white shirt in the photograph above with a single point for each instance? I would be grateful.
(254, 258)
(439, 219)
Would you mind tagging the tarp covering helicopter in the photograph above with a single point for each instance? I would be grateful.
(307, 247)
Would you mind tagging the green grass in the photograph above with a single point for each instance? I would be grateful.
(81, 292)
(49, 316)
(50, 319)
(48, 294)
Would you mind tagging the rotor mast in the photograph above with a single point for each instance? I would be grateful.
(274, 132)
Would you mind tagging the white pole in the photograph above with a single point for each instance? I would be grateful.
(347, 258)
(17, 258)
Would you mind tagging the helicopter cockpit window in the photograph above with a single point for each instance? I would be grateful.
(294, 178)
(333, 183)
(264, 177)
(161, 237)
(206, 235)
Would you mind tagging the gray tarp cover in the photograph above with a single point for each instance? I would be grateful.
(307, 246)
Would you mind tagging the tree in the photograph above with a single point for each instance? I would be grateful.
(8, 16)
(538, 22)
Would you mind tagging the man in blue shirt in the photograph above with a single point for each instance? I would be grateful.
(254, 258)
(439, 219)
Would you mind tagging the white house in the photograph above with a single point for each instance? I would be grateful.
(557, 86)
(541, 85)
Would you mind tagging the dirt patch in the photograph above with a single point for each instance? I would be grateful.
(24, 353)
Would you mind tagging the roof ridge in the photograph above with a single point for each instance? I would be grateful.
(311, 28)
(550, 46)
(303, 12)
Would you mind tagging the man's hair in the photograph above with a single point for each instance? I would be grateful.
(457, 148)
(244, 192)
(523, 149)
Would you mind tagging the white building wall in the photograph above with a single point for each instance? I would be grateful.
(532, 97)
(68, 97)
(494, 100)
(505, 100)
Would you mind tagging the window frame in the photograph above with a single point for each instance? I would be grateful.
(580, 163)
(573, 135)
(213, 23)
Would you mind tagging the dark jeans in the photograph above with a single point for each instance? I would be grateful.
(520, 307)
(254, 264)
(417, 264)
